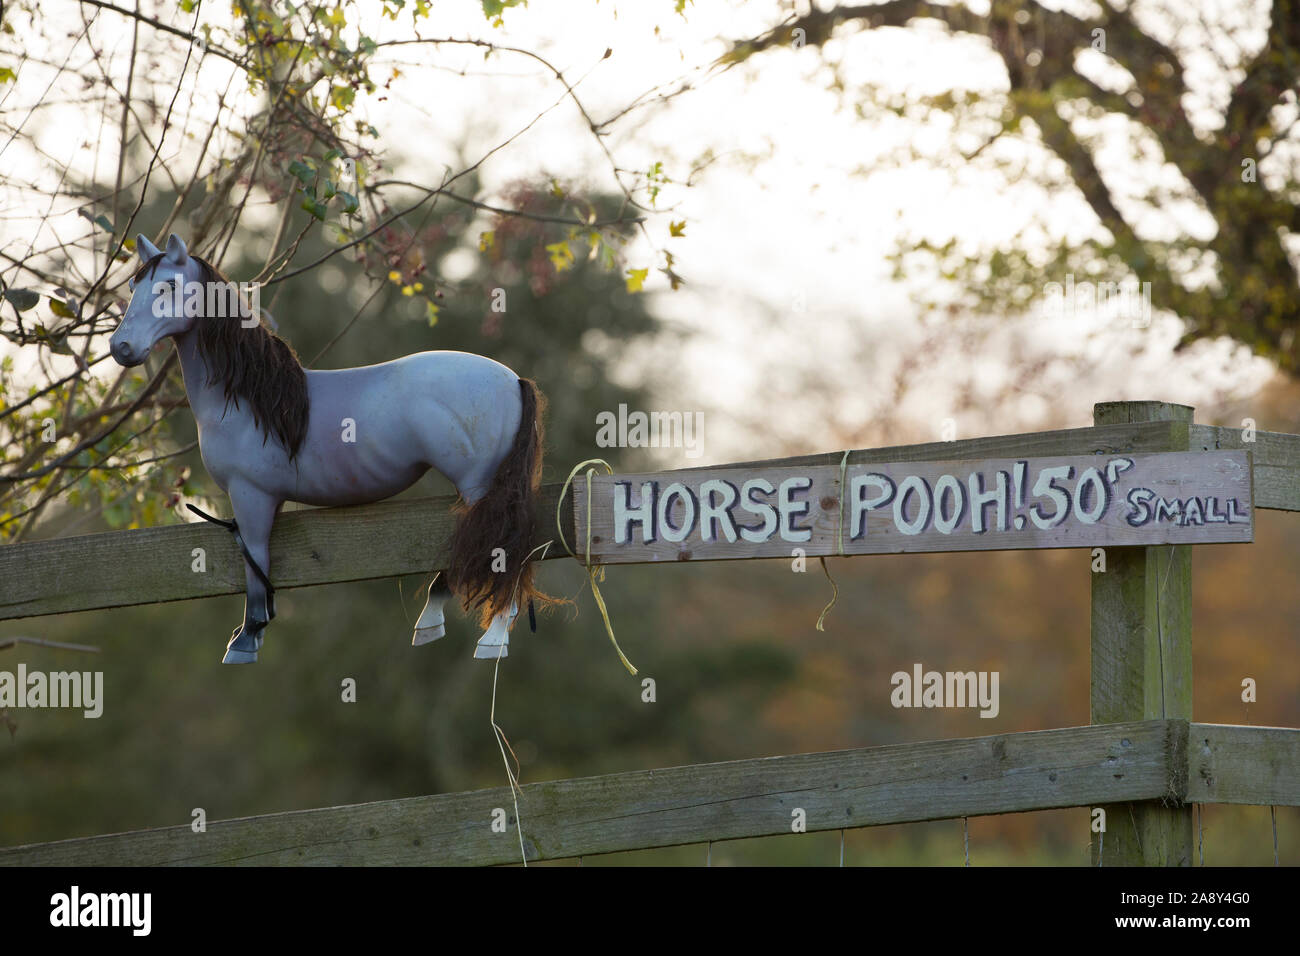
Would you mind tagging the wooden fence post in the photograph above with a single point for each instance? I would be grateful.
(1142, 660)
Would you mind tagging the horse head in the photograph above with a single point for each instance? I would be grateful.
(159, 291)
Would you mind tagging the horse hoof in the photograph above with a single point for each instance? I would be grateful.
(427, 635)
(239, 657)
(491, 652)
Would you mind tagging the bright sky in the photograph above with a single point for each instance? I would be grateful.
(800, 333)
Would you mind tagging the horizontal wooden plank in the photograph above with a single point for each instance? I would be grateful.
(1097, 440)
(324, 546)
(1235, 764)
(1005, 773)
(1079, 501)
(154, 565)
(1275, 457)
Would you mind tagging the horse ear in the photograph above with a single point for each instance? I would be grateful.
(176, 251)
(145, 249)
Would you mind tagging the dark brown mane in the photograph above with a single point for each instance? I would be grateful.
(252, 365)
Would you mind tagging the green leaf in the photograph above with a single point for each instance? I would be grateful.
(433, 313)
(304, 173)
(315, 207)
(61, 309)
(7, 75)
(342, 96)
(492, 9)
(350, 204)
(607, 257)
(22, 299)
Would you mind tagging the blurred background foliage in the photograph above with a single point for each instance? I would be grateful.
(740, 670)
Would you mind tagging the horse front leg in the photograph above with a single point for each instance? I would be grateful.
(433, 623)
(254, 514)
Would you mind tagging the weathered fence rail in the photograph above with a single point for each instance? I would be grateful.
(334, 545)
(1142, 755)
(1154, 760)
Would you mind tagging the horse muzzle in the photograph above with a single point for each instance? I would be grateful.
(126, 356)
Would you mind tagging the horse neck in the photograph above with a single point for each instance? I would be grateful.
(207, 401)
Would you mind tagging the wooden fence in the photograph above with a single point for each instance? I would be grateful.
(1142, 758)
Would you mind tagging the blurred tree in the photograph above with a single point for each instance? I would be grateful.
(1064, 72)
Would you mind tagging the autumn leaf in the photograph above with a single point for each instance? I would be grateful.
(635, 279)
(677, 228)
(561, 255)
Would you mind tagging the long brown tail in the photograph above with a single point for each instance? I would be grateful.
(503, 518)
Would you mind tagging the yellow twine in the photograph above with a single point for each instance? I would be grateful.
(502, 744)
(839, 545)
(594, 571)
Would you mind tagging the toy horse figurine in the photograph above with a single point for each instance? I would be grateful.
(271, 431)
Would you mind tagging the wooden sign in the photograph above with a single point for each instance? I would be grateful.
(994, 505)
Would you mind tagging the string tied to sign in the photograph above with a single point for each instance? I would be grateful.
(839, 545)
(595, 572)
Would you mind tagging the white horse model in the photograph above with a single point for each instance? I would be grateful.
(271, 431)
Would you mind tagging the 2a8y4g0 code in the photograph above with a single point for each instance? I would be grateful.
(1174, 896)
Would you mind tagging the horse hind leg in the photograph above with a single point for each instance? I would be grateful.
(495, 642)
(433, 623)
